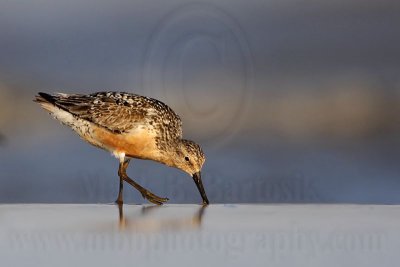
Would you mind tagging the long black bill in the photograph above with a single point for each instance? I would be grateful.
(199, 184)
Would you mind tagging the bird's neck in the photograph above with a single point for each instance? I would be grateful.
(170, 155)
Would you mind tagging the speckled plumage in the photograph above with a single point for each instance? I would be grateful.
(122, 112)
(129, 126)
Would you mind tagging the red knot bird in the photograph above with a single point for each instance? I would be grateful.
(129, 126)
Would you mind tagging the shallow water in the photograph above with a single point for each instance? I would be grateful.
(217, 235)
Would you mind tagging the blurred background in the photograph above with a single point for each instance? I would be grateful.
(293, 101)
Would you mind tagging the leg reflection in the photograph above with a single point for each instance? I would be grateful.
(149, 221)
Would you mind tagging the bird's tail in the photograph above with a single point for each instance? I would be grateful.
(46, 101)
(44, 97)
(49, 103)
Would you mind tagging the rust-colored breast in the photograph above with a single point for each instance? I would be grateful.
(139, 143)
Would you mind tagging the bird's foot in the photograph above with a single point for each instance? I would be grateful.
(120, 199)
(153, 198)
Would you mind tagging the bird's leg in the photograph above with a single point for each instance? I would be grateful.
(124, 164)
(145, 193)
(121, 189)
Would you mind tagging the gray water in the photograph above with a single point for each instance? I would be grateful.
(223, 235)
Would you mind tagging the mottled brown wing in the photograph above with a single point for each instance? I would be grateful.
(120, 112)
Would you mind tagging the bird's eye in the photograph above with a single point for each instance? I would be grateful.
(187, 158)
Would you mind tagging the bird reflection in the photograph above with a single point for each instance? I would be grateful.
(142, 222)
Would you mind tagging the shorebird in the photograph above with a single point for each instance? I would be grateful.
(129, 126)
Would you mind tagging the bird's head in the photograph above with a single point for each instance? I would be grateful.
(189, 157)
